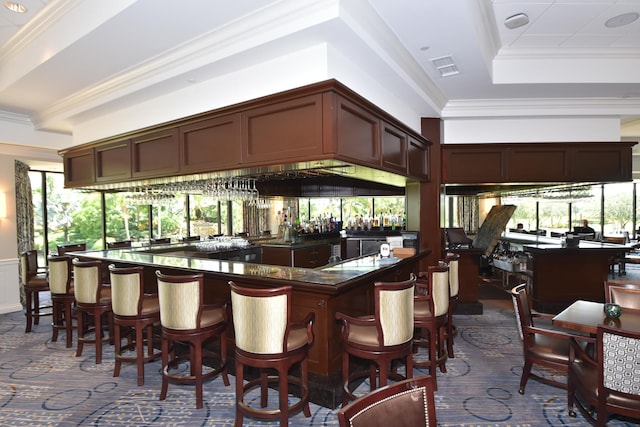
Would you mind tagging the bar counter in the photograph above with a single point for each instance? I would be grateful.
(562, 274)
(343, 287)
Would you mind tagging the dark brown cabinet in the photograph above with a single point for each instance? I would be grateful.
(113, 161)
(285, 130)
(79, 167)
(156, 154)
(311, 257)
(394, 148)
(213, 143)
(358, 132)
(418, 158)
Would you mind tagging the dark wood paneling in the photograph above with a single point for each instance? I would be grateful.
(418, 158)
(394, 148)
(211, 144)
(113, 161)
(312, 257)
(358, 133)
(536, 162)
(276, 255)
(286, 130)
(79, 168)
(467, 165)
(600, 163)
(524, 164)
(156, 154)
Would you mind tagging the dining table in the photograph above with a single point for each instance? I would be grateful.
(585, 316)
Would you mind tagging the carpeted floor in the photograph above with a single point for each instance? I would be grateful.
(44, 384)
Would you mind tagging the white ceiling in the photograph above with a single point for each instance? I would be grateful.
(66, 62)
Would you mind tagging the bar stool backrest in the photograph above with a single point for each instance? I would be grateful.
(87, 281)
(261, 318)
(394, 310)
(60, 274)
(180, 300)
(126, 290)
(439, 276)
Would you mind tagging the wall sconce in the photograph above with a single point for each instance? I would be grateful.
(3, 205)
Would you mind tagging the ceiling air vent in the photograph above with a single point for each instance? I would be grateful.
(445, 66)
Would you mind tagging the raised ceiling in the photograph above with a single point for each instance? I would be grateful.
(66, 62)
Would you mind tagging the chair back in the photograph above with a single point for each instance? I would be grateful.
(619, 370)
(394, 310)
(119, 244)
(439, 289)
(453, 261)
(87, 281)
(191, 239)
(71, 247)
(127, 290)
(160, 241)
(181, 298)
(60, 274)
(521, 307)
(406, 403)
(261, 318)
(627, 295)
(28, 264)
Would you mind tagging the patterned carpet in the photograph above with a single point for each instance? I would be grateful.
(44, 384)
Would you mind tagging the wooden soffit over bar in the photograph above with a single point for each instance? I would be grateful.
(525, 164)
(323, 131)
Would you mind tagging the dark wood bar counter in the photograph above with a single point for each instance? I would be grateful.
(343, 287)
(562, 275)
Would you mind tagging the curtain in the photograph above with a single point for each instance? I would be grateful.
(468, 214)
(24, 214)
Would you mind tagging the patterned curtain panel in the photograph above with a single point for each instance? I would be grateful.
(468, 214)
(24, 214)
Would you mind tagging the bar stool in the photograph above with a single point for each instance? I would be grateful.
(133, 309)
(186, 318)
(93, 300)
(381, 338)
(71, 247)
(62, 297)
(34, 281)
(267, 338)
(431, 305)
(452, 260)
(120, 244)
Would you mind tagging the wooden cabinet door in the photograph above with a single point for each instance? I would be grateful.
(312, 257)
(418, 159)
(394, 148)
(276, 255)
(285, 130)
(79, 168)
(212, 144)
(358, 133)
(156, 154)
(113, 161)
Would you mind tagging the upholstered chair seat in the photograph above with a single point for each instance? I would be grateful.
(133, 309)
(382, 338)
(185, 318)
(269, 340)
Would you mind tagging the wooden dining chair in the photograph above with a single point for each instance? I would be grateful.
(160, 241)
(540, 346)
(71, 247)
(607, 382)
(626, 295)
(62, 297)
(120, 244)
(406, 403)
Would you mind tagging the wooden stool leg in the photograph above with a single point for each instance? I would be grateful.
(29, 312)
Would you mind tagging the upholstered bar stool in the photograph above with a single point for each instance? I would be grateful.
(431, 305)
(34, 281)
(381, 338)
(267, 338)
(452, 260)
(185, 318)
(133, 309)
(62, 297)
(93, 299)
